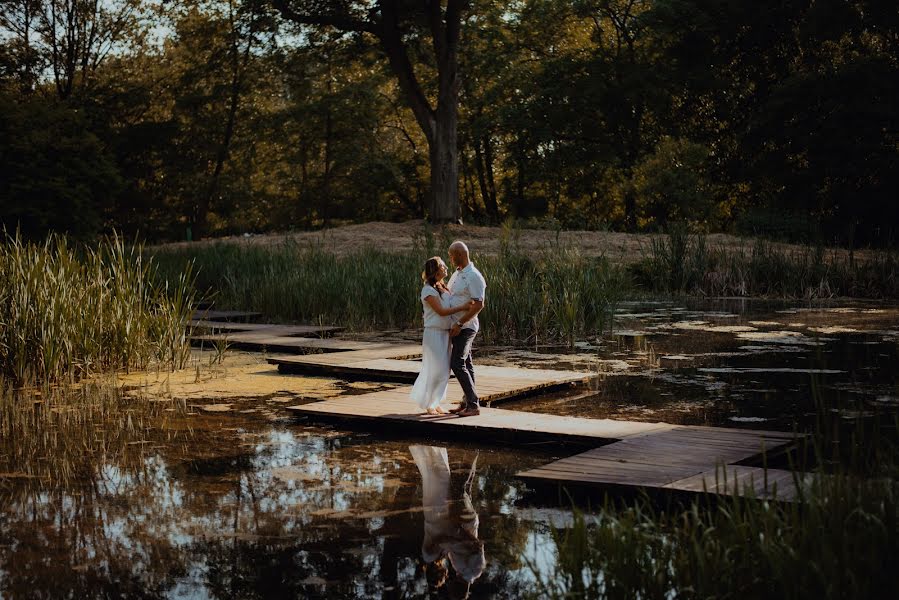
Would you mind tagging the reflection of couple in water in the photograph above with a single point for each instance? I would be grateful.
(451, 528)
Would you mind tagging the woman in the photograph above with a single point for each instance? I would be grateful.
(450, 529)
(430, 386)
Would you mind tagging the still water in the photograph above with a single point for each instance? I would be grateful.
(248, 503)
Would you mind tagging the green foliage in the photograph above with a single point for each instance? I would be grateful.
(671, 185)
(68, 313)
(55, 173)
(592, 114)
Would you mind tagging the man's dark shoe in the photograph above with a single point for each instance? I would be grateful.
(458, 409)
(470, 411)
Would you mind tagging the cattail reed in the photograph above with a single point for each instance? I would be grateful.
(557, 297)
(66, 313)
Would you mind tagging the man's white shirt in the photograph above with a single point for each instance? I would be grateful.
(465, 285)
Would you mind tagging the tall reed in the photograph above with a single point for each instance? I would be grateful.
(841, 540)
(682, 263)
(841, 543)
(66, 312)
(557, 297)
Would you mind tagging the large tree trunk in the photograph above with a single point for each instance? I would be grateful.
(484, 166)
(438, 124)
(444, 154)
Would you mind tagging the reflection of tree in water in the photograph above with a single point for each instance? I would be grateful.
(209, 517)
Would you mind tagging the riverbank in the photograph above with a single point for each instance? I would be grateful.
(621, 248)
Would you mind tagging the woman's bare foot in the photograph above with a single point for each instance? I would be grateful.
(432, 411)
(440, 410)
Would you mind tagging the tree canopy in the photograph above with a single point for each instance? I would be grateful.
(223, 116)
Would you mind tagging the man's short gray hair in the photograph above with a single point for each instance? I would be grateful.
(459, 246)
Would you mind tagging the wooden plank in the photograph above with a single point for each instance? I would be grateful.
(268, 328)
(723, 430)
(601, 479)
(225, 315)
(738, 479)
(355, 352)
(492, 383)
(386, 407)
(228, 326)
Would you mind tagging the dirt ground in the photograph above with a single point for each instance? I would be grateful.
(619, 247)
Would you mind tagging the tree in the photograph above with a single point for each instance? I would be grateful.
(55, 174)
(670, 185)
(399, 28)
(70, 39)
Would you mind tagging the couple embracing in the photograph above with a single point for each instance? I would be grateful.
(450, 325)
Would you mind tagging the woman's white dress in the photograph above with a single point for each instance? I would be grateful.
(430, 386)
(433, 464)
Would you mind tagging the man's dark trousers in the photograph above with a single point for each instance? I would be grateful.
(460, 363)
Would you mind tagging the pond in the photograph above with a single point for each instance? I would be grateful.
(205, 494)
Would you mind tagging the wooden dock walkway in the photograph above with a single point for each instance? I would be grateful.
(209, 314)
(630, 454)
(228, 329)
(394, 410)
(686, 459)
(393, 364)
(272, 341)
(658, 456)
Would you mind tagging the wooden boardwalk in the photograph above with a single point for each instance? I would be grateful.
(393, 364)
(687, 459)
(394, 410)
(209, 314)
(273, 341)
(630, 454)
(227, 329)
(656, 456)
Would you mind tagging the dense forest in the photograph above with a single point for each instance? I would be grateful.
(193, 118)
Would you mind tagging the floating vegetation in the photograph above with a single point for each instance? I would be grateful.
(66, 313)
(781, 337)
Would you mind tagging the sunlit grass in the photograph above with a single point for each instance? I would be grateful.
(67, 312)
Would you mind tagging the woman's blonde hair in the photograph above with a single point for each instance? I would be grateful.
(432, 267)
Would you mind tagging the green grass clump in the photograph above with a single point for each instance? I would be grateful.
(842, 542)
(557, 297)
(840, 539)
(681, 263)
(66, 313)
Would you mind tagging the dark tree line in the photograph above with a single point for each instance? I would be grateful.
(223, 116)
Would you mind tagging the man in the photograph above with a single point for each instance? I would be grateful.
(466, 284)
